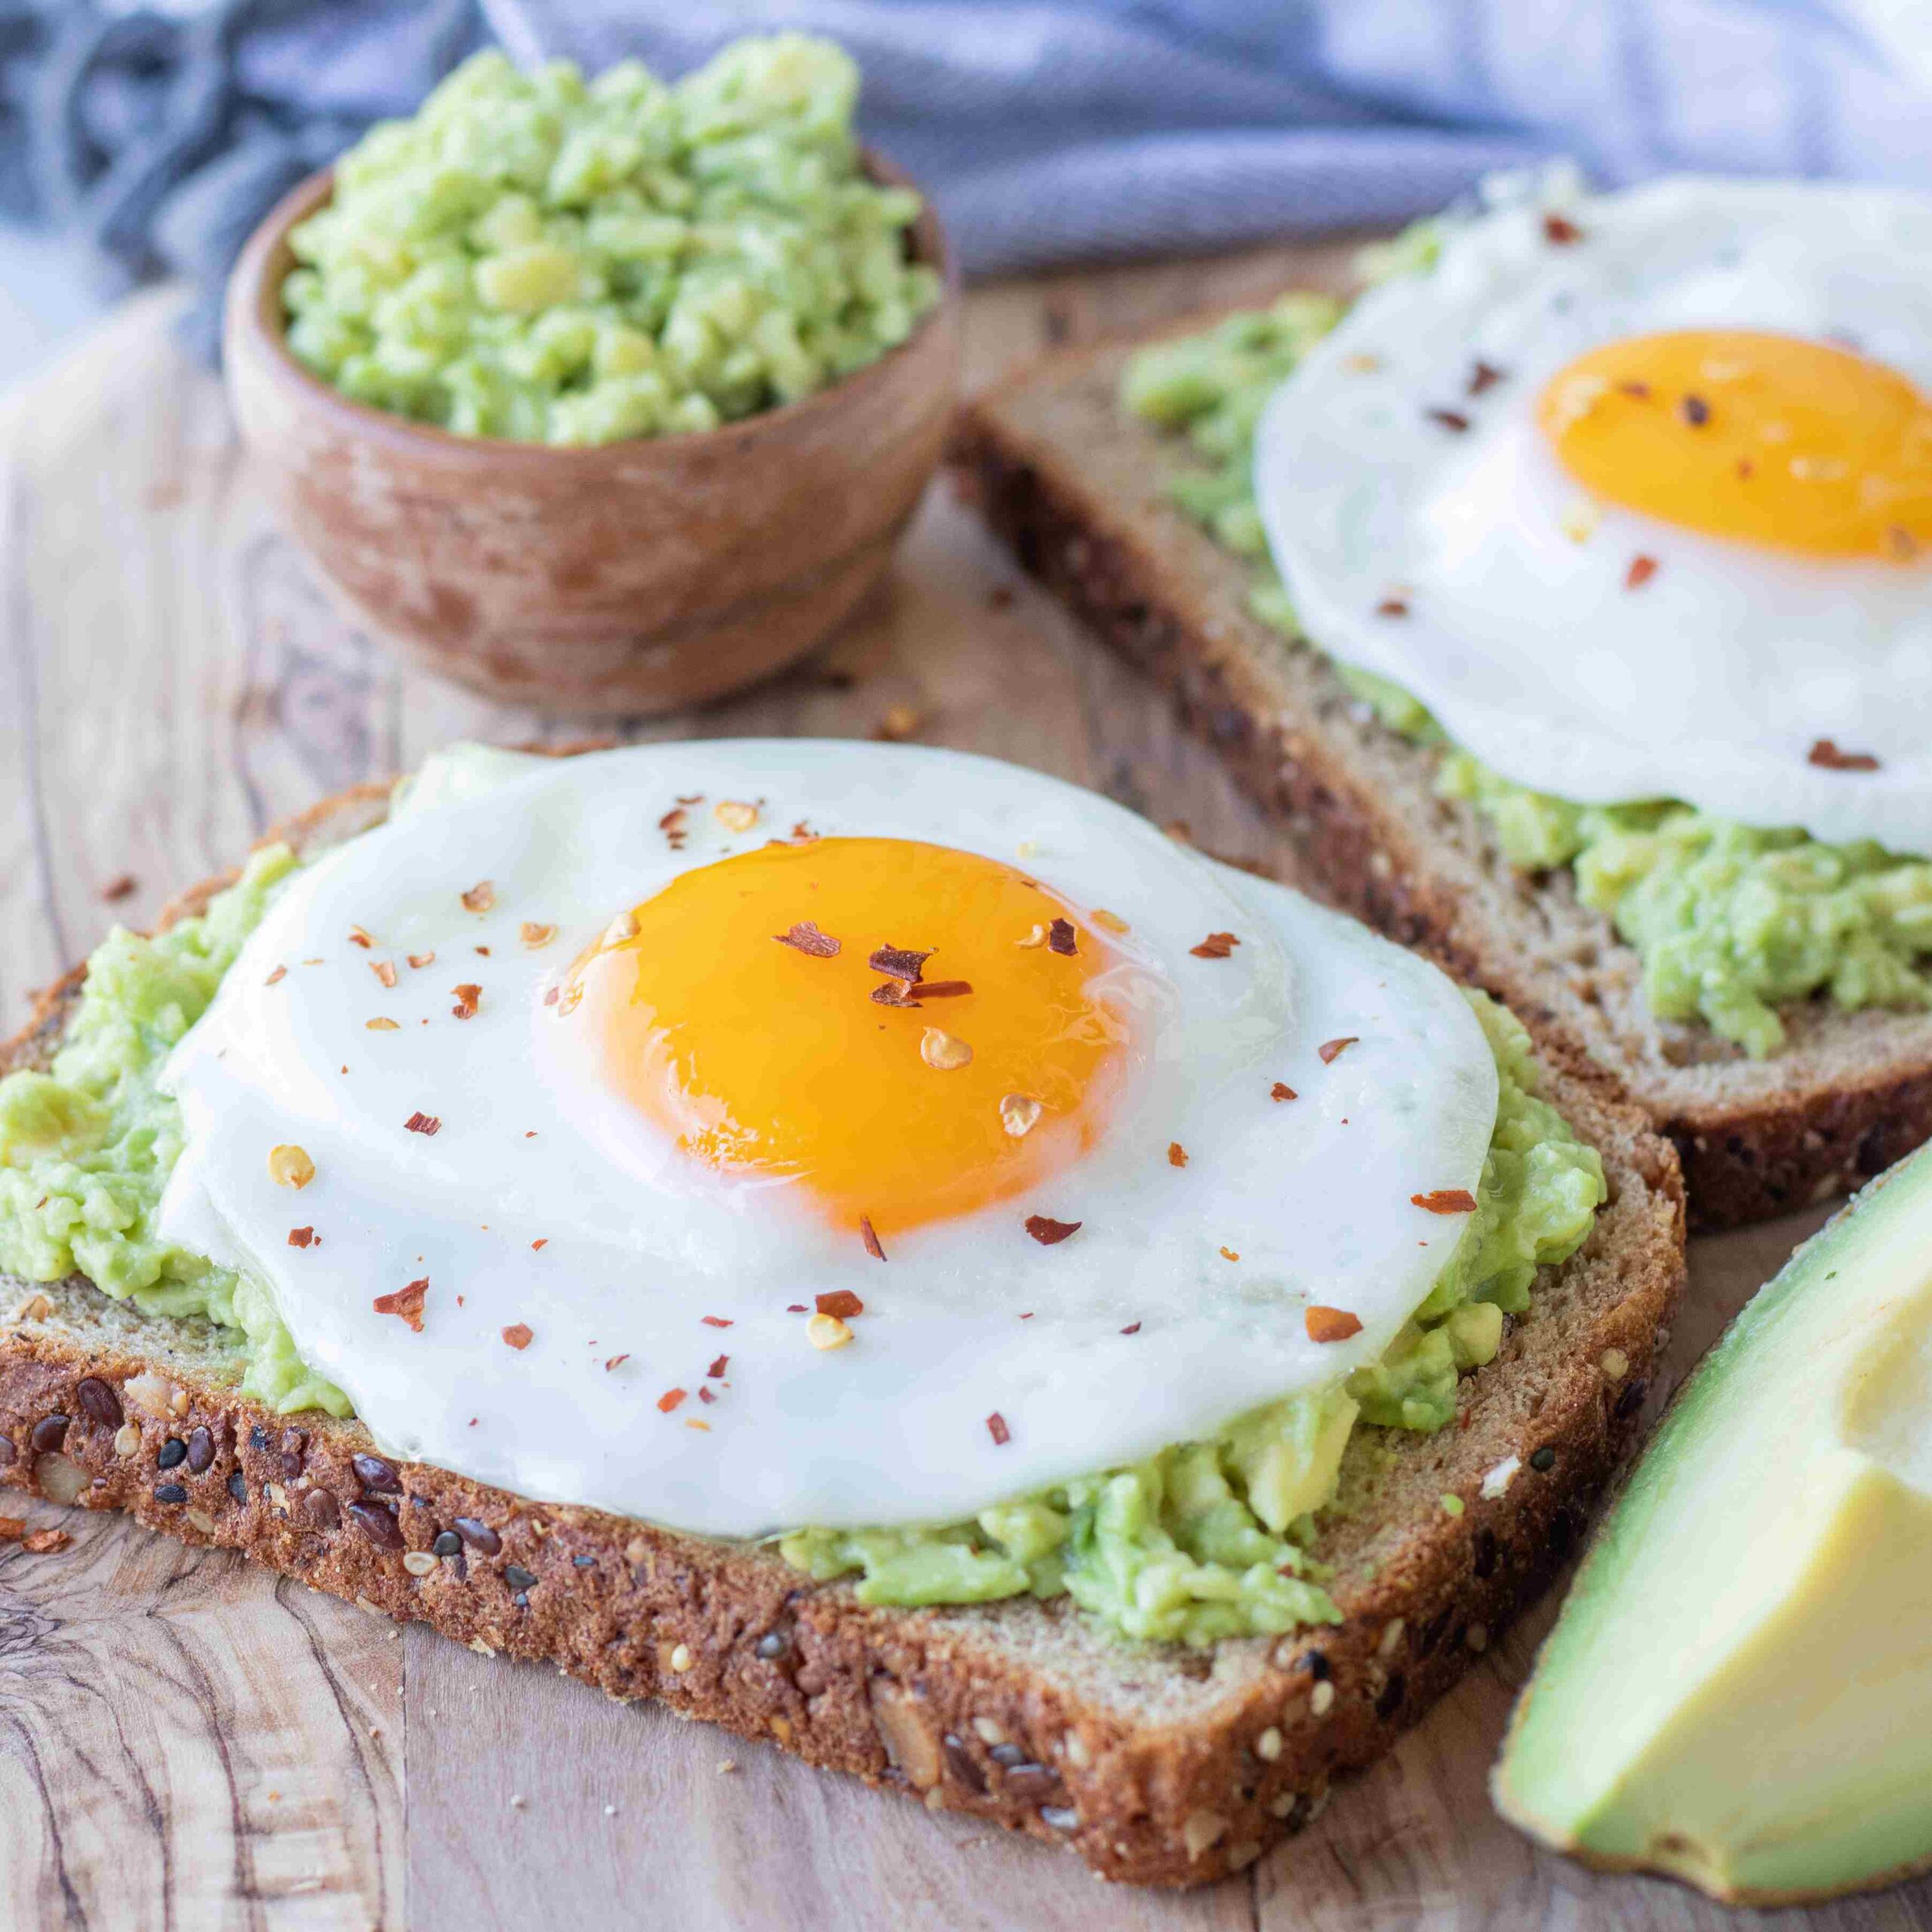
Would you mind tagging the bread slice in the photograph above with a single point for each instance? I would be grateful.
(1079, 489)
(1157, 1764)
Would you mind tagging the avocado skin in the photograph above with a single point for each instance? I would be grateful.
(1738, 1692)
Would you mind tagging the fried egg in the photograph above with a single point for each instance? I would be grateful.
(1635, 493)
(747, 1135)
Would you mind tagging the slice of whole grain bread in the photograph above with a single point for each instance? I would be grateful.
(1080, 490)
(1158, 1763)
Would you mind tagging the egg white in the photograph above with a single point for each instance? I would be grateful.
(1313, 1195)
(1711, 683)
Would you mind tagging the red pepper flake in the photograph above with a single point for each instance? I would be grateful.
(842, 1303)
(715, 1320)
(1560, 232)
(467, 995)
(480, 897)
(275, 977)
(45, 1542)
(419, 960)
(421, 1123)
(1330, 1049)
(550, 995)
(894, 992)
(1176, 1155)
(1049, 1232)
(672, 826)
(796, 1308)
(805, 937)
(1636, 392)
(1452, 420)
(717, 1369)
(1903, 546)
(357, 936)
(117, 889)
(1828, 758)
(1228, 1254)
(1330, 1325)
(301, 1237)
(1446, 1201)
(997, 1429)
(1483, 375)
(1132, 1328)
(1281, 1090)
(899, 962)
(542, 1241)
(869, 1235)
(1695, 410)
(1393, 607)
(1641, 570)
(615, 1362)
(707, 1395)
(935, 989)
(519, 1335)
(407, 1303)
(672, 1398)
(1215, 945)
(695, 798)
(384, 970)
(1060, 939)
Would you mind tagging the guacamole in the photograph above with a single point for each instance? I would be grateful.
(1205, 1540)
(554, 260)
(86, 1147)
(1729, 920)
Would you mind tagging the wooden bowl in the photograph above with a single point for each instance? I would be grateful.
(612, 581)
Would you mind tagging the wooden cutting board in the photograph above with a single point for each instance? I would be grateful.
(188, 1741)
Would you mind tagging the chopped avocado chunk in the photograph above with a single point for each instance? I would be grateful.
(86, 1147)
(1730, 920)
(1738, 1691)
(1204, 1540)
(550, 259)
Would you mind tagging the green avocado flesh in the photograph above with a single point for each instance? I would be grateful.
(86, 1147)
(1202, 1542)
(1730, 920)
(554, 260)
(1738, 1691)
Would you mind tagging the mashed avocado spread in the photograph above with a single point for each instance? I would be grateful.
(551, 260)
(86, 1147)
(1204, 1541)
(1730, 921)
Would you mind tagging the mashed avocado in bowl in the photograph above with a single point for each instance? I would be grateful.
(1205, 1540)
(550, 260)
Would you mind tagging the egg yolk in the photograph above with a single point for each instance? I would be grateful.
(722, 1013)
(1772, 440)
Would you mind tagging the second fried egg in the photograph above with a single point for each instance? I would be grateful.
(1634, 492)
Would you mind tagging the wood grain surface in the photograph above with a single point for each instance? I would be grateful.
(187, 1741)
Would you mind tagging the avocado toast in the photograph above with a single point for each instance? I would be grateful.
(1159, 1763)
(1082, 492)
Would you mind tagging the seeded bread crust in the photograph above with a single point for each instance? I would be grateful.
(1079, 490)
(1158, 1764)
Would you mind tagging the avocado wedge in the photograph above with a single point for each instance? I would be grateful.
(1738, 1692)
